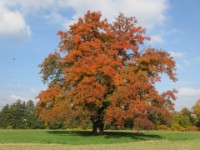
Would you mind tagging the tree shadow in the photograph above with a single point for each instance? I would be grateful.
(133, 135)
(109, 134)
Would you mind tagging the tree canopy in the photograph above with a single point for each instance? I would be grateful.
(102, 73)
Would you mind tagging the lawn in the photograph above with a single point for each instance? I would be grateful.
(62, 139)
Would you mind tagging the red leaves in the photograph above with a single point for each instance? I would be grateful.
(144, 123)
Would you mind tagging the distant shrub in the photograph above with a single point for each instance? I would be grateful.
(163, 128)
(177, 127)
(192, 128)
(9, 127)
(182, 120)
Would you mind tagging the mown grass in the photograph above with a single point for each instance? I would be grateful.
(144, 145)
(110, 140)
(86, 137)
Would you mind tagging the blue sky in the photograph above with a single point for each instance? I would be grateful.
(28, 31)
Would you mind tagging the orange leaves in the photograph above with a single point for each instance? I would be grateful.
(72, 57)
(103, 74)
(51, 104)
(137, 96)
(51, 94)
(89, 91)
(155, 62)
(115, 115)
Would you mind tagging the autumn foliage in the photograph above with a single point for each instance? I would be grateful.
(102, 74)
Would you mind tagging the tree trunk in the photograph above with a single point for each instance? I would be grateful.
(98, 127)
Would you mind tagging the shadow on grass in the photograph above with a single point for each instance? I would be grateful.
(109, 134)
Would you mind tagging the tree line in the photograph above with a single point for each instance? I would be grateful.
(20, 115)
(23, 115)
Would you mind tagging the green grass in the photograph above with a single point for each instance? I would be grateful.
(110, 140)
(144, 145)
(86, 137)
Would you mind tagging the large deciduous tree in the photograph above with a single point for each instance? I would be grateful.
(102, 73)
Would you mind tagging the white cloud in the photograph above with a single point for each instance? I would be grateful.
(150, 13)
(179, 67)
(30, 6)
(13, 23)
(170, 32)
(16, 92)
(157, 39)
(186, 97)
(177, 54)
(12, 98)
(184, 91)
(57, 18)
(33, 93)
(187, 62)
(16, 97)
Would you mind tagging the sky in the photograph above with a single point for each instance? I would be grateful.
(28, 33)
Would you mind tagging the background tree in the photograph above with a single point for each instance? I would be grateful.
(186, 112)
(5, 116)
(182, 120)
(105, 76)
(196, 112)
(20, 115)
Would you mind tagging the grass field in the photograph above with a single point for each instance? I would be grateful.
(62, 139)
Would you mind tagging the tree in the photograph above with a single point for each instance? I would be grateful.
(31, 120)
(181, 120)
(186, 112)
(196, 112)
(20, 115)
(18, 112)
(103, 74)
(184, 118)
(5, 116)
